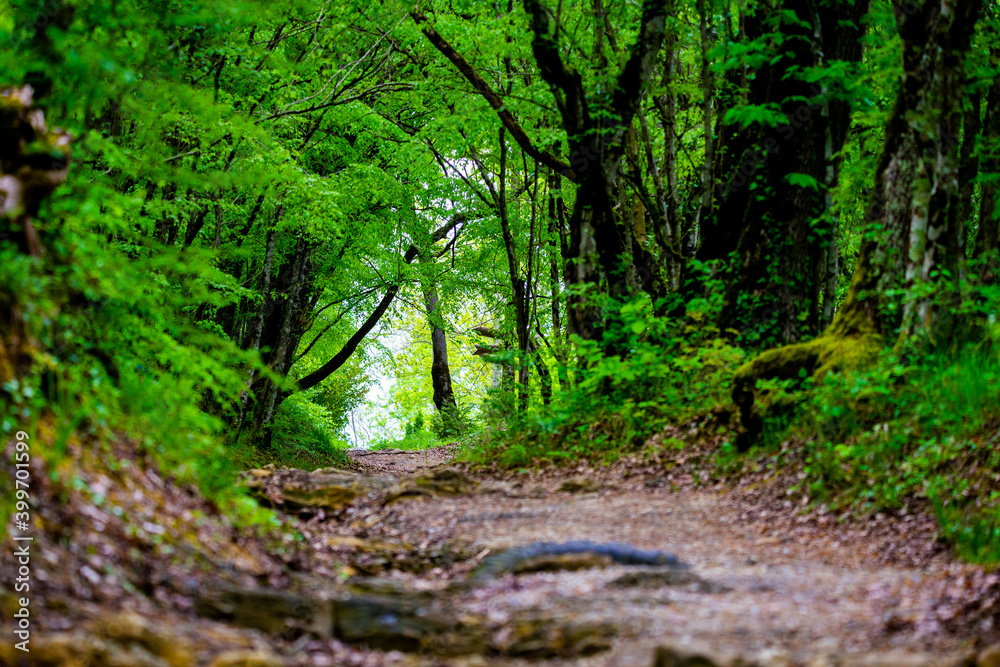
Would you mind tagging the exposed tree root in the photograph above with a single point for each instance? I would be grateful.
(831, 352)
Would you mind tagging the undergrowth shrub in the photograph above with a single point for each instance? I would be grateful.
(899, 433)
(668, 369)
(412, 441)
(115, 352)
(104, 320)
(304, 436)
(418, 434)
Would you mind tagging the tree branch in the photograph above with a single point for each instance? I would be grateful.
(566, 83)
(338, 360)
(486, 91)
(636, 71)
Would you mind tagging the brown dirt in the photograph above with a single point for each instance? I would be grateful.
(795, 585)
(398, 461)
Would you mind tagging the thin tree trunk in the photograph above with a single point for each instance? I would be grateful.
(708, 95)
(832, 276)
(544, 376)
(556, 251)
(668, 234)
(253, 343)
(218, 227)
(444, 395)
(517, 283)
(988, 235)
(286, 308)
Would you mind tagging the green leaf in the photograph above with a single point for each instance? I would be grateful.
(803, 181)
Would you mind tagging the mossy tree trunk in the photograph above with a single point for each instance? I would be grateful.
(988, 234)
(912, 233)
(774, 289)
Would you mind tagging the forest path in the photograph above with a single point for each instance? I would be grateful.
(399, 461)
(814, 598)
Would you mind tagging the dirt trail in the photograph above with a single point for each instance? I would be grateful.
(402, 562)
(398, 461)
(777, 598)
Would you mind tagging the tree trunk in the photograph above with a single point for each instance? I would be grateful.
(518, 284)
(556, 251)
(911, 215)
(596, 146)
(285, 313)
(708, 95)
(988, 235)
(544, 375)
(252, 340)
(738, 158)
(668, 231)
(773, 291)
(444, 396)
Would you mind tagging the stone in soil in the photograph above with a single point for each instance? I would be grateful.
(539, 636)
(659, 577)
(297, 490)
(245, 658)
(440, 481)
(580, 484)
(542, 553)
(389, 616)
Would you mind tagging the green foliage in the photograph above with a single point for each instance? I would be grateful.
(768, 115)
(127, 358)
(413, 441)
(417, 436)
(670, 369)
(123, 363)
(226, 154)
(974, 532)
(106, 312)
(332, 402)
(923, 433)
(307, 435)
(803, 181)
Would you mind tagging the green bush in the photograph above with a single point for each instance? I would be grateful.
(669, 369)
(304, 436)
(415, 437)
(898, 434)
